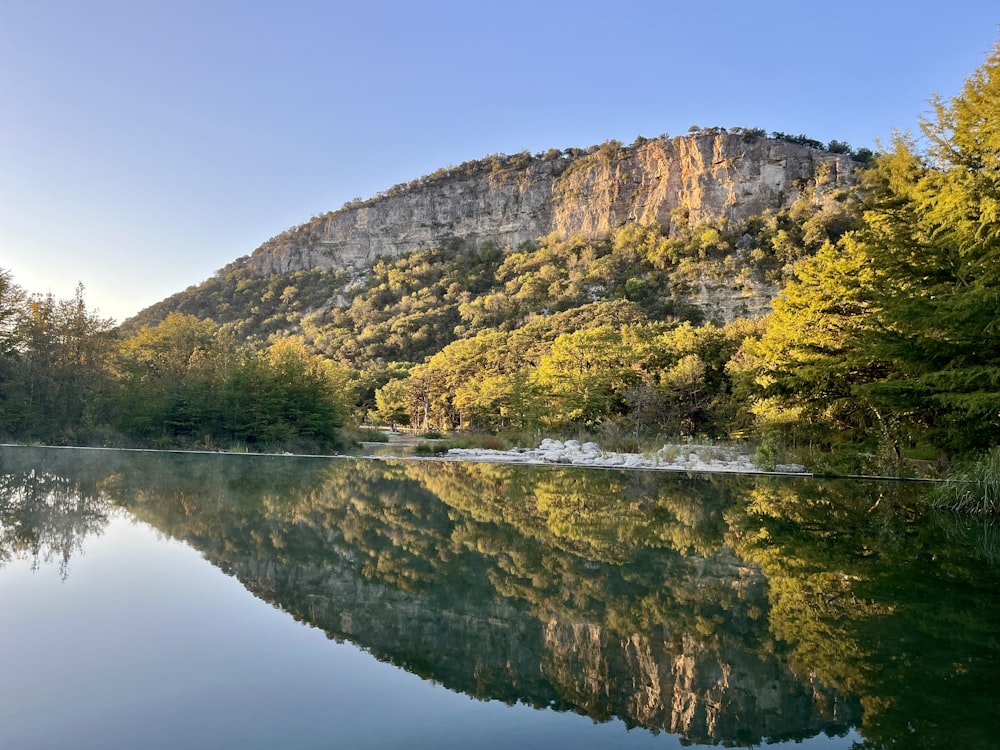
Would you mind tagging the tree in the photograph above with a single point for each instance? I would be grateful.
(807, 362)
(686, 382)
(585, 375)
(391, 405)
(11, 303)
(311, 393)
(896, 326)
(932, 235)
(58, 380)
(169, 382)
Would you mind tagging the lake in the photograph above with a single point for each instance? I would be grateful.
(163, 600)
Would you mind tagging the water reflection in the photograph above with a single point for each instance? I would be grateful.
(47, 508)
(721, 609)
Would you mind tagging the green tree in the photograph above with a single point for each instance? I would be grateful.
(893, 330)
(170, 384)
(804, 368)
(391, 406)
(58, 380)
(932, 233)
(311, 394)
(585, 376)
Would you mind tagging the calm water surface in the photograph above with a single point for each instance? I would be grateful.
(208, 601)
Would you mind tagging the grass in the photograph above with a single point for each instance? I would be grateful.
(441, 446)
(973, 489)
(367, 435)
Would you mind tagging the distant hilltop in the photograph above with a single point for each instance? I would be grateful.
(726, 202)
(687, 180)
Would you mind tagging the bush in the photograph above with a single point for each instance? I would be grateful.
(441, 446)
(430, 449)
(770, 451)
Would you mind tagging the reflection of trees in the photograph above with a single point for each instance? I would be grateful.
(723, 609)
(366, 552)
(876, 602)
(48, 504)
(648, 616)
(571, 542)
(604, 592)
(603, 515)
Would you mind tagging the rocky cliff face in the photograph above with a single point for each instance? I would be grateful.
(678, 181)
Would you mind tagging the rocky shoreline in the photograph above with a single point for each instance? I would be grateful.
(687, 458)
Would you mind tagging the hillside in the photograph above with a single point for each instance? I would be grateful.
(701, 227)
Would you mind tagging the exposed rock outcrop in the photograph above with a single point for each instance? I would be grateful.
(676, 181)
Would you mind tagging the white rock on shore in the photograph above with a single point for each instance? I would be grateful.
(702, 458)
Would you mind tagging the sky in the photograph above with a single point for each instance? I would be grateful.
(146, 144)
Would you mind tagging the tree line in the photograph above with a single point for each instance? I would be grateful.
(68, 376)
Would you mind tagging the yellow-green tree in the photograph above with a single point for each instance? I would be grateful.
(391, 406)
(932, 232)
(894, 329)
(805, 366)
(169, 379)
(584, 377)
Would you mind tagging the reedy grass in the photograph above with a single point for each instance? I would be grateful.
(973, 489)
(367, 435)
(974, 532)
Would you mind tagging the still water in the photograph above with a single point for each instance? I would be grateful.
(163, 600)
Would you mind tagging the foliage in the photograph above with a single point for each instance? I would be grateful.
(68, 378)
(573, 333)
(391, 406)
(185, 379)
(11, 302)
(806, 361)
(55, 385)
(891, 330)
(873, 601)
(467, 329)
(638, 375)
(931, 233)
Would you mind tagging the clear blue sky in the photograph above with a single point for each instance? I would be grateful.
(144, 144)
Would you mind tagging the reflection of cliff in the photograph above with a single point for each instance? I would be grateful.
(725, 610)
(553, 588)
(694, 687)
(605, 593)
(707, 688)
(487, 649)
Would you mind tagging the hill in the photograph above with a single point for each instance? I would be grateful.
(702, 227)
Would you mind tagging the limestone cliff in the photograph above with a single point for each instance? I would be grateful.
(511, 200)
